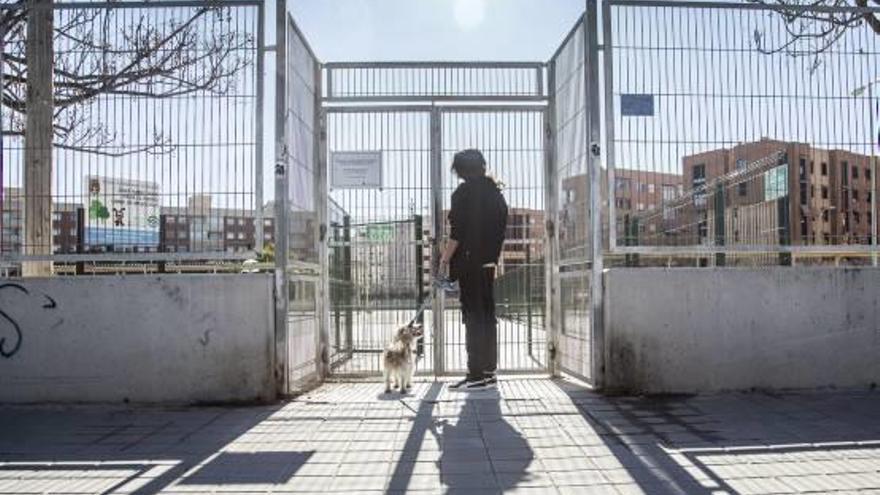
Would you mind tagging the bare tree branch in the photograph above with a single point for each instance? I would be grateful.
(108, 52)
(814, 32)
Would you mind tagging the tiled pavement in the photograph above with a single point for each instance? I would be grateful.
(529, 436)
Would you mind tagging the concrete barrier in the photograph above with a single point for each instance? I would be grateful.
(180, 338)
(708, 330)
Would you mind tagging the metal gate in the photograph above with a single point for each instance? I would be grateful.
(383, 251)
(576, 175)
(375, 243)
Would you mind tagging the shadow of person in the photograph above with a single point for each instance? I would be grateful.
(480, 450)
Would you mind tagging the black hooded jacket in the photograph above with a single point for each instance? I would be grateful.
(478, 220)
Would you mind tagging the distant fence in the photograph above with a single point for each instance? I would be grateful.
(739, 131)
(143, 145)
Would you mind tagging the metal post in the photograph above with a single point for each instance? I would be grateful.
(80, 238)
(720, 225)
(322, 359)
(336, 288)
(258, 126)
(784, 213)
(608, 77)
(551, 252)
(282, 156)
(593, 138)
(528, 290)
(349, 287)
(420, 281)
(874, 147)
(163, 233)
(436, 218)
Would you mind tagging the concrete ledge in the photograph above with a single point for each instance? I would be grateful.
(179, 338)
(707, 330)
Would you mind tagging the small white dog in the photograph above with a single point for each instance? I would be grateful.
(398, 358)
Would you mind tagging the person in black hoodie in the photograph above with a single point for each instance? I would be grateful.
(478, 220)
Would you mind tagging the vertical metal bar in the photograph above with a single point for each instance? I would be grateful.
(348, 278)
(420, 285)
(593, 137)
(874, 178)
(329, 72)
(322, 358)
(282, 156)
(258, 152)
(608, 76)
(439, 330)
(551, 252)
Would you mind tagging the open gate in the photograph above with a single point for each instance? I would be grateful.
(363, 182)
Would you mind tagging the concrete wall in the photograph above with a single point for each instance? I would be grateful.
(704, 330)
(179, 338)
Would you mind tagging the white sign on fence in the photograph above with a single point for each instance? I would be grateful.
(356, 170)
(121, 211)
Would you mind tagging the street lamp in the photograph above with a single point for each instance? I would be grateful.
(859, 92)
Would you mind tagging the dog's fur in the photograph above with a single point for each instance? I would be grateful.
(398, 358)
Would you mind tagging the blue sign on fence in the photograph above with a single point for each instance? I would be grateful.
(636, 105)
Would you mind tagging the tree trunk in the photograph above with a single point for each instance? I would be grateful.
(38, 139)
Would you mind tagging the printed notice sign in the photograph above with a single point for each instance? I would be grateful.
(121, 211)
(356, 170)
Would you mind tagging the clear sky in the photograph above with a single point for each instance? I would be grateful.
(361, 30)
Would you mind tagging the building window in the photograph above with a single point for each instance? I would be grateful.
(824, 215)
(855, 172)
(668, 192)
(868, 197)
(826, 237)
(803, 193)
(844, 173)
(650, 188)
(824, 192)
(699, 175)
(856, 217)
(241, 235)
(230, 235)
(867, 173)
(802, 168)
(855, 194)
(622, 184)
(812, 167)
(241, 221)
(824, 168)
(641, 206)
(804, 227)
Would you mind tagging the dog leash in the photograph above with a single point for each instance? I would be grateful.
(442, 283)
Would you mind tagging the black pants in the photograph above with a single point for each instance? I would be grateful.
(481, 327)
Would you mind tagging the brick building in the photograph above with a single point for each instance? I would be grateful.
(811, 196)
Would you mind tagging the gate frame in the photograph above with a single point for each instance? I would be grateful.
(543, 101)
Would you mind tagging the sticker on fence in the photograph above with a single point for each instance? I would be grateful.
(356, 170)
(635, 105)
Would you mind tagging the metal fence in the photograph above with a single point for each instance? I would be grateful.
(741, 131)
(130, 133)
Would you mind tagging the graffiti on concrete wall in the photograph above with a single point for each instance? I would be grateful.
(11, 331)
